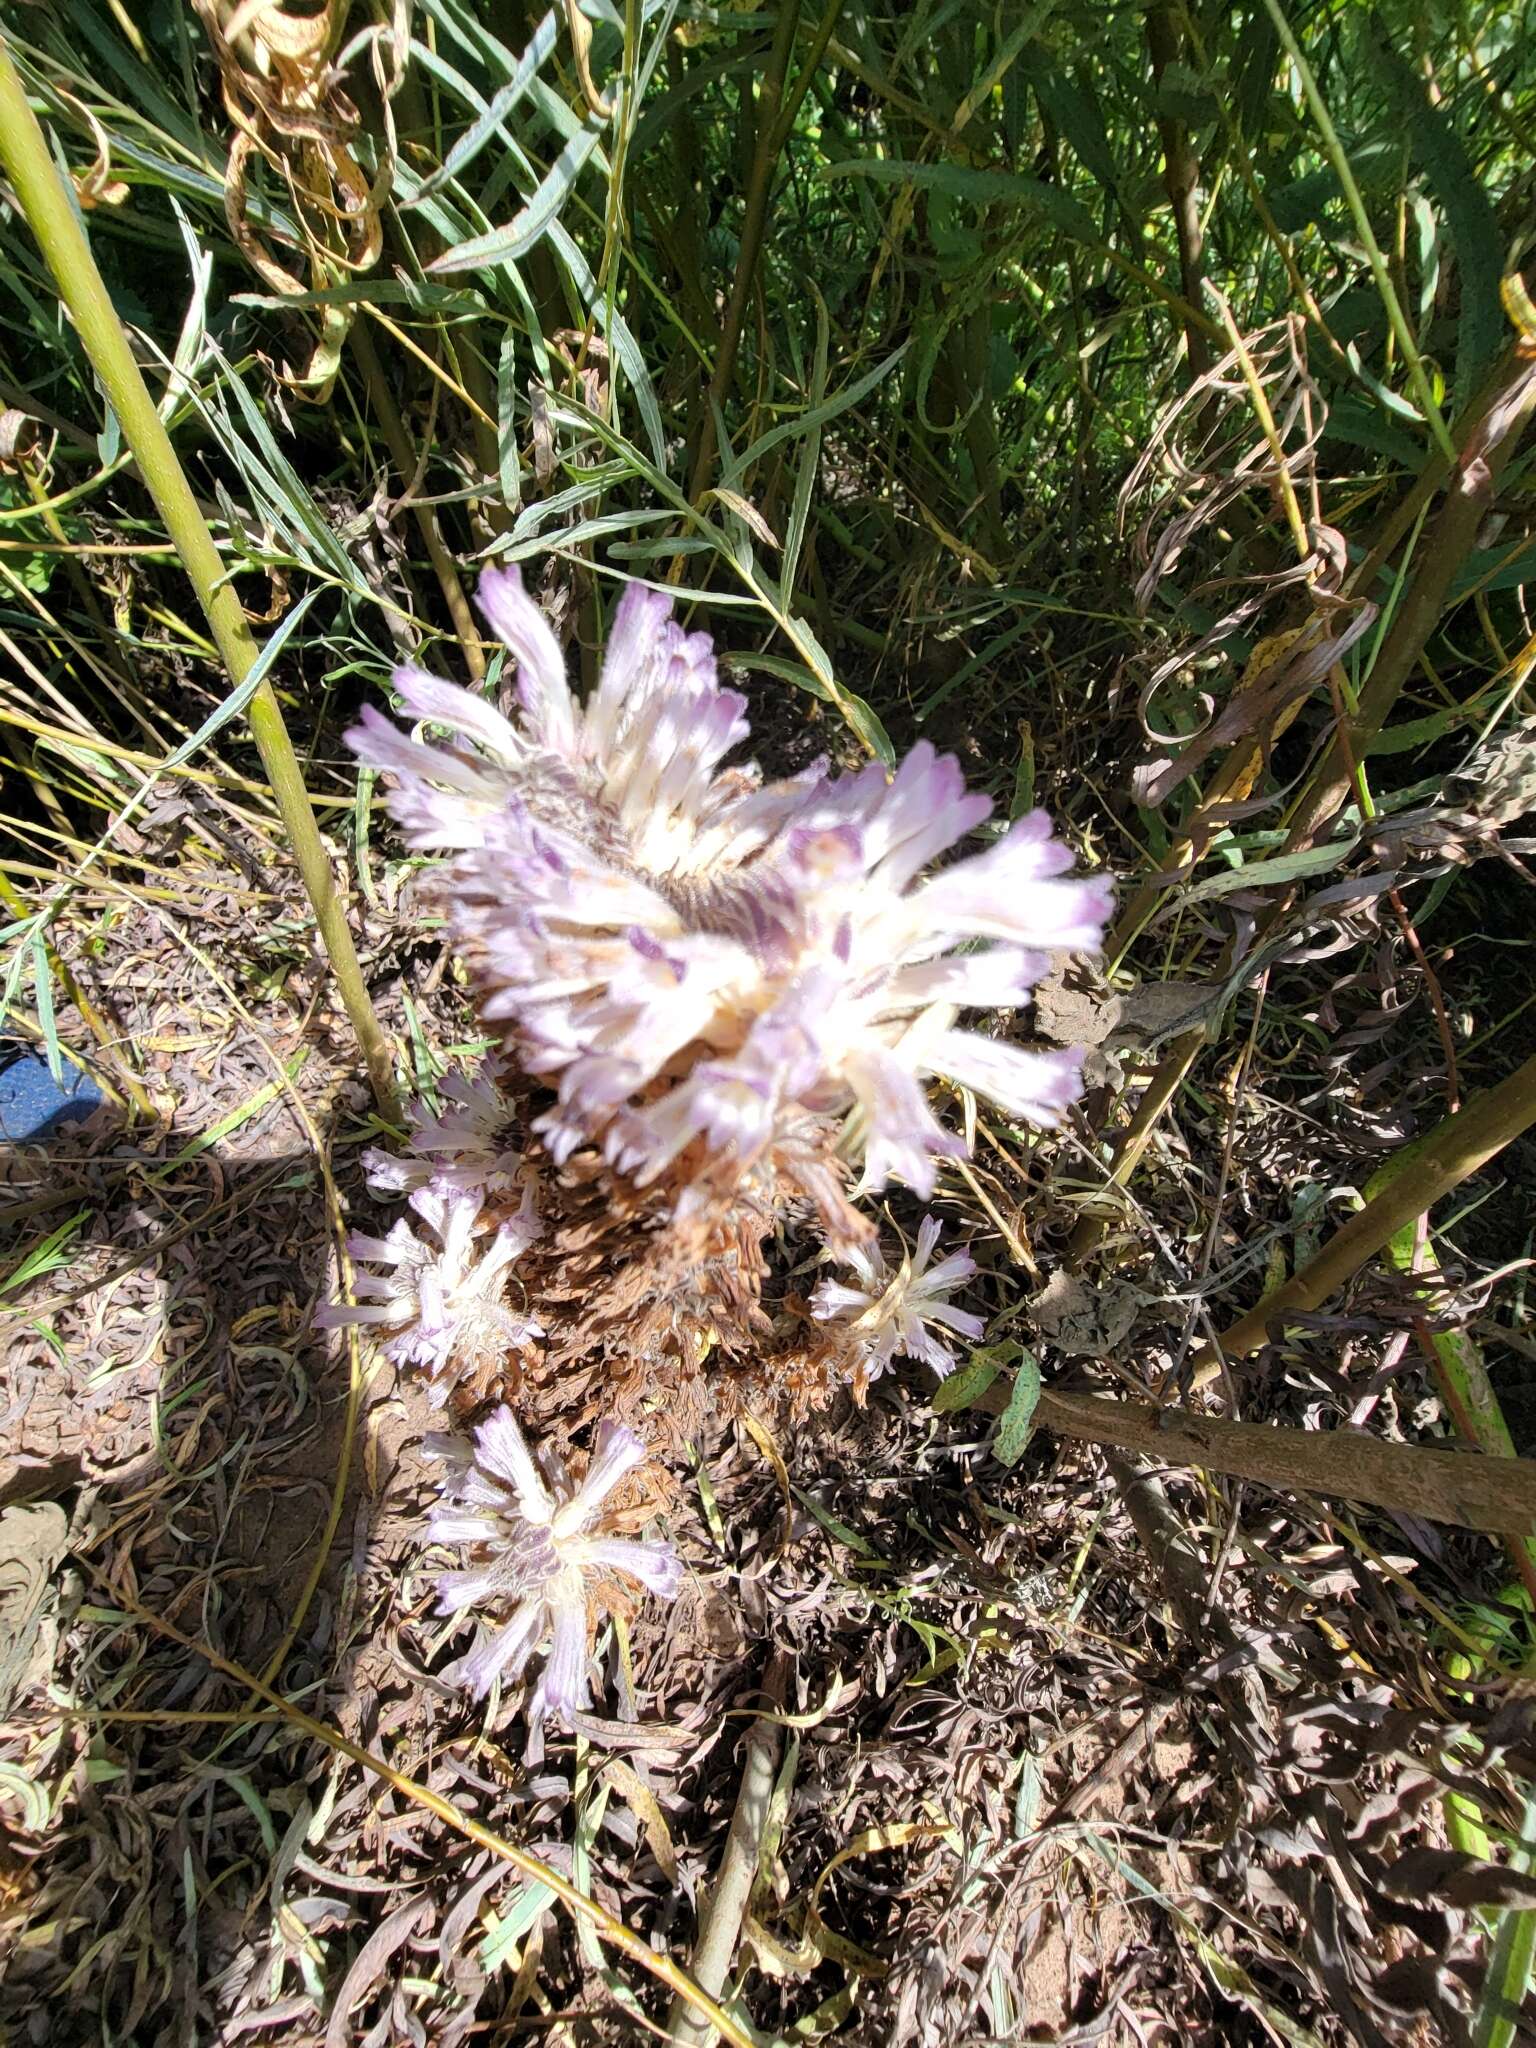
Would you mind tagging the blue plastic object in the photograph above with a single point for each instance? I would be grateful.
(33, 1105)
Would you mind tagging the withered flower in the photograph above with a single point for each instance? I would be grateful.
(538, 1547)
(890, 1313)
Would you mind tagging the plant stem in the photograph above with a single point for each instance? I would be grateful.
(406, 460)
(1181, 177)
(52, 219)
(729, 1896)
(1333, 149)
(776, 110)
(1445, 1157)
(1474, 481)
(1494, 1495)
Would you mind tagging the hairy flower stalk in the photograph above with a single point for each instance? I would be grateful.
(544, 1557)
(699, 964)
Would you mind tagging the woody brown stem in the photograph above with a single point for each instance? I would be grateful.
(1496, 1496)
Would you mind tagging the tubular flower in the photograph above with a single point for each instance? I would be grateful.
(891, 1314)
(538, 1544)
(694, 960)
(440, 1301)
(466, 1145)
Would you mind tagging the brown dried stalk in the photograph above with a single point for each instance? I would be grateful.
(1494, 1495)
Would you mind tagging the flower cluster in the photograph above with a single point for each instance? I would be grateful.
(467, 1144)
(892, 1314)
(710, 992)
(696, 960)
(538, 1543)
(440, 1302)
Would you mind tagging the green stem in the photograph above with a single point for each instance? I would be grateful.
(52, 219)
(407, 461)
(1448, 1155)
(1334, 151)
(1181, 177)
(775, 112)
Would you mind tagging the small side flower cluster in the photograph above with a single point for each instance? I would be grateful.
(539, 1543)
(441, 1302)
(896, 1313)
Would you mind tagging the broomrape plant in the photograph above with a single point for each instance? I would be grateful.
(718, 1001)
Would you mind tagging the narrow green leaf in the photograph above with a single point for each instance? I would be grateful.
(532, 224)
(42, 988)
(1075, 109)
(810, 457)
(815, 417)
(981, 187)
(623, 347)
(506, 421)
(1513, 1957)
(372, 291)
(480, 131)
(1473, 229)
(238, 698)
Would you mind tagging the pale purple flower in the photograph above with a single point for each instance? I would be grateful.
(894, 1312)
(467, 1143)
(695, 961)
(440, 1299)
(538, 1547)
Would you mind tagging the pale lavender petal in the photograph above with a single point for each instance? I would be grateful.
(382, 1251)
(903, 1137)
(918, 1342)
(337, 1315)
(500, 1448)
(998, 978)
(562, 1689)
(541, 685)
(615, 1454)
(378, 743)
(926, 809)
(655, 1565)
(960, 1320)
(1011, 892)
(949, 1273)
(445, 1525)
(458, 1590)
(385, 1173)
(500, 1650)
(830, 1298)
(628, 658)
(1038, 1085)
(439, 703)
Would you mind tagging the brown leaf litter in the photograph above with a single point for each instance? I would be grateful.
(1039, 1779)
